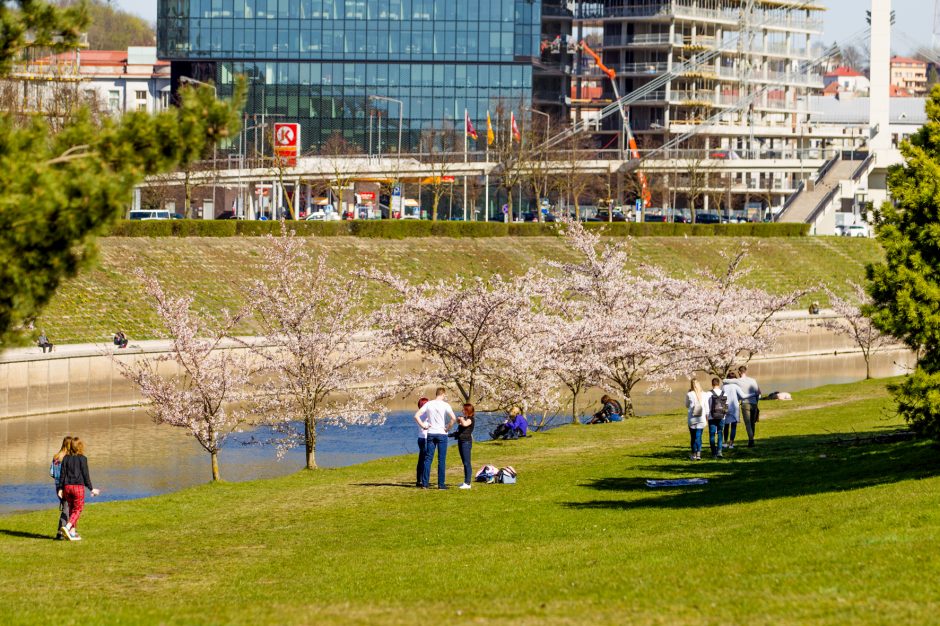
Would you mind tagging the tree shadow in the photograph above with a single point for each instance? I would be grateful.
(22, 534)
(780, 467)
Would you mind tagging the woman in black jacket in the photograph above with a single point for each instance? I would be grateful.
(73, 478)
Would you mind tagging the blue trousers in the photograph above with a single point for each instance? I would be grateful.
(436, 443)
(696, 435)
(421, 480)
(464, 448)
(714, 432)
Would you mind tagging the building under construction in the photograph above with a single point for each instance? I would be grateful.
(733, 77)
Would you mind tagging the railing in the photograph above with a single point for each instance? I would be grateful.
(861, 169)
(825, 168)
(655, 67)
(792, 198)
(692, 96)
(825, 202)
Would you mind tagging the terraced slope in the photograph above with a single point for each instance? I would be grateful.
(106, 296)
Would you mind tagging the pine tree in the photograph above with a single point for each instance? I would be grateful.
(57, 191)
(906, 287)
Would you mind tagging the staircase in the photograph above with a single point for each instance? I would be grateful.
(812, 199)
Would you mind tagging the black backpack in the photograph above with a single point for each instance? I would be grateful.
(719, 406)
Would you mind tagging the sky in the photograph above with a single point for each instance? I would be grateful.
(843, 19)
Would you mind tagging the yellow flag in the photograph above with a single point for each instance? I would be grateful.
(490, 135)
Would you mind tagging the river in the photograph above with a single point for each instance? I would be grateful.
(131, 457)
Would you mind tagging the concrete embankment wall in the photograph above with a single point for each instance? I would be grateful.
(78, 378)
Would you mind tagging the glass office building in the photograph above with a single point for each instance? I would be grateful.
(317, 61)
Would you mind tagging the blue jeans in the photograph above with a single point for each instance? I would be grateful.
(730, 431)
(439, 443)
(464, 448)
(696, 434)
(421, 479)
(714, 432)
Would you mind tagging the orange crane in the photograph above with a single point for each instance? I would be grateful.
(631, 140)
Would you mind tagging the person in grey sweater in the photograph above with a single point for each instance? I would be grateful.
(750, 396)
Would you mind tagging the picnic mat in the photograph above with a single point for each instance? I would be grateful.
(676, 482)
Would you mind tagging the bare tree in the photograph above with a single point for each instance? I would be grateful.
(337, 152)
(510, 155)
(439, 152)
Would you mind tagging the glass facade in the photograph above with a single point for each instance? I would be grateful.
(317, 61)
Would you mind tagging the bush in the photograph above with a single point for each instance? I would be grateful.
(403, 229)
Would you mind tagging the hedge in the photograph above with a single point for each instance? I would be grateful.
(403, 229)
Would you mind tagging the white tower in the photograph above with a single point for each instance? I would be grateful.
(880, 100)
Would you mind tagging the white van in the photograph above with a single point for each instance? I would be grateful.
(149, 215)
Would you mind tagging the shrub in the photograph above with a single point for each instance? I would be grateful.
(469, 229)
(204, 228)
(533, 229)
(390, 229)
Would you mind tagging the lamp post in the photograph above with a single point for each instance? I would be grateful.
(401, 115)
(215, 155)
(548, 130)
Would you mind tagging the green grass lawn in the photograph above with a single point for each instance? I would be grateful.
(796, 531)
(106, 297)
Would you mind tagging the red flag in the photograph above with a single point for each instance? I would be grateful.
(516, 135)
(471, 131)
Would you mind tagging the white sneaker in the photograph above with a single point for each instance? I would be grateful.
(464, 486)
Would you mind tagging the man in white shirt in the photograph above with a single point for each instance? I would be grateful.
(433, 417)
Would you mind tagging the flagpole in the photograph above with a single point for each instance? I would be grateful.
(466, 129)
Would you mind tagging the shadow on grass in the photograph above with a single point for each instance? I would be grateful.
(780, 467)
(21, 534)
(405, 485)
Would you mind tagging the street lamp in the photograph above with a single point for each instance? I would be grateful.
(401, 114)
(548, 129)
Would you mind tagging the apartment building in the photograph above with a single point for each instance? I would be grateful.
(908, 77)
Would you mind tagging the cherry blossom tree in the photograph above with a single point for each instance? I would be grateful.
(737, 321)
(460, 326)
(210, 380)
(852, 322)
(573, 352)
(320, 365)
(638, 323)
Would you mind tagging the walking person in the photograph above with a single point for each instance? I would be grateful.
(433, 417)
(421, 479)
(750, 396)
(73, 479)
(733, 393)
(464, 436)
(717, 411)
(697, 404)
(55, 470)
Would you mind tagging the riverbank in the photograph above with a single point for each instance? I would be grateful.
(106, 297)
(797, 530)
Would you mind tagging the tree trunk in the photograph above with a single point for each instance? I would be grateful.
(216, 476)
(434, 209)
(574, 410)
(628, 406)
(310, 444)
(867, 367)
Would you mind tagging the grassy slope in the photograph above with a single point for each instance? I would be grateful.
(106, 297)
(796, 531)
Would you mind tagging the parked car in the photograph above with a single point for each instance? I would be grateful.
(604, 216)
(177, 216)
(858, 230)
(226, 215)
(707, 218)
(654, 218)
(533, 216)
(149, 215)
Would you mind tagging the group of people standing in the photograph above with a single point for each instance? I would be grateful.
(69, 470)
(729, 402)
(434, 419)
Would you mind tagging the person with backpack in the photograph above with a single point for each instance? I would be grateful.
(55, 470)
(697, 404)
(421, 478)
(733, 393)
(433, 417)
(464, 436)
(73, 479)
(717, 411)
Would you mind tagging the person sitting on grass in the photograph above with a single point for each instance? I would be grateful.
(515, 426)
(611, 411)
(120, 339)
(44, 342)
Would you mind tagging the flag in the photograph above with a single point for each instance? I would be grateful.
(516, 135)
(471, 131)
(490, 135)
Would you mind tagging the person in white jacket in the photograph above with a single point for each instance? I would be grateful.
(697, 404)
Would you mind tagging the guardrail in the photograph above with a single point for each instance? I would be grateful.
(861, 169)
(821, 206)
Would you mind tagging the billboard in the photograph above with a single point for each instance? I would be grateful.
(287, 143)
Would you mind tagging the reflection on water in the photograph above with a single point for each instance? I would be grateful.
(132, 457)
